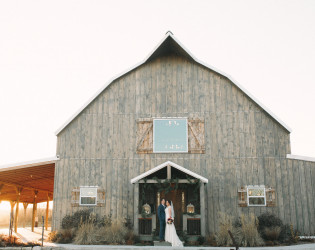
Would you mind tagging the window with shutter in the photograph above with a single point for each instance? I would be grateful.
(256, 196)
(195, 132)
(87, 196)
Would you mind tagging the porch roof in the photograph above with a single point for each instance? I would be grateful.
(25, 178)
(165, 164)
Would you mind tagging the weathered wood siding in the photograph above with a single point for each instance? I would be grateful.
(243, 144)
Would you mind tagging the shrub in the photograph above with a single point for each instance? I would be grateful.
(113, 234)
(210, 240)
(268, 223)
(105, 221)
(268, 220)
(86, 234)
(74, 221)
(272, 233)
(201, 240)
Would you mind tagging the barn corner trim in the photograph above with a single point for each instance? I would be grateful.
(192, 57)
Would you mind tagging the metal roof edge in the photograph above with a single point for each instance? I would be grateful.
(33, 163)
(300, 157)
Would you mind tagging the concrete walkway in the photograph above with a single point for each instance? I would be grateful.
(91, 247)
(26, 235)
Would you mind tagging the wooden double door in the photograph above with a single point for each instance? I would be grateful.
(178, 198)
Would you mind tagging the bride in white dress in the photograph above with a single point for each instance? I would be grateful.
(170, 231)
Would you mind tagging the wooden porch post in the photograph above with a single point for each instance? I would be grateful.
(34, 210)
(12, 203)
(47, 212)
(25, 204)
(18, 191)
(202, 210)
(135, 207)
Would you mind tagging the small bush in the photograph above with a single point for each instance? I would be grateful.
(74, 221)
(285, 233)
(105, 221)
(272, 233)
(267, 224)
(201, 240)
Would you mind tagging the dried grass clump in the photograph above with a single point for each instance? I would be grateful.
(243, 229)
(86, 234)
(225, 223)
(63, 236)
(249, 235)
(115, 233)
(272, 233)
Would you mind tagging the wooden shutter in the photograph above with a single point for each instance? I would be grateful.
(242, 197)
(196, 136)
(100, 197)
(270, 197)
(144, 136)
(75, 197)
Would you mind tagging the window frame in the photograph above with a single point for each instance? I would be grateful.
(96, 188)
(153, 135)
(264, 196)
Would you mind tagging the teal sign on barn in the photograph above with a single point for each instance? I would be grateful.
(170, 136)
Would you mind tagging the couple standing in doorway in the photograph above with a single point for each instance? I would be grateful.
(167, 228)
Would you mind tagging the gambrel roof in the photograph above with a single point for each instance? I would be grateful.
(170, 44)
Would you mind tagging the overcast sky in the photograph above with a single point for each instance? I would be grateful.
(54, 55)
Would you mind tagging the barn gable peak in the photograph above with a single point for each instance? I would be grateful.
(170, 45)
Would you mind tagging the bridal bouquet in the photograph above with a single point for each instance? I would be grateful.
(170, 220)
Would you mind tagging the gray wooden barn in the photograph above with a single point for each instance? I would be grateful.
(173, 127)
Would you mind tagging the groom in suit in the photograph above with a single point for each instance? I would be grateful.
(161, 215)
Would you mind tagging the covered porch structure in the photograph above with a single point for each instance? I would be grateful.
(185, 188)
(28, 183)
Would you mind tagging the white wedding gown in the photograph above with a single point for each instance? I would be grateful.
(170, 231)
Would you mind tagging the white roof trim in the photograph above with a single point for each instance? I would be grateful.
(26, 164)
(165, 164)
(300, 157)
(169, 34)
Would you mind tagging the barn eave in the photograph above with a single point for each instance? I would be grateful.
(167, 44)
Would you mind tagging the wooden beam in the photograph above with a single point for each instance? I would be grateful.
(34, 209)
(24, 187)
(12, 203)
(25, 204)
(135, 208)
(18, 195)
(202, 210)
(169, 172)
(47, 212)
